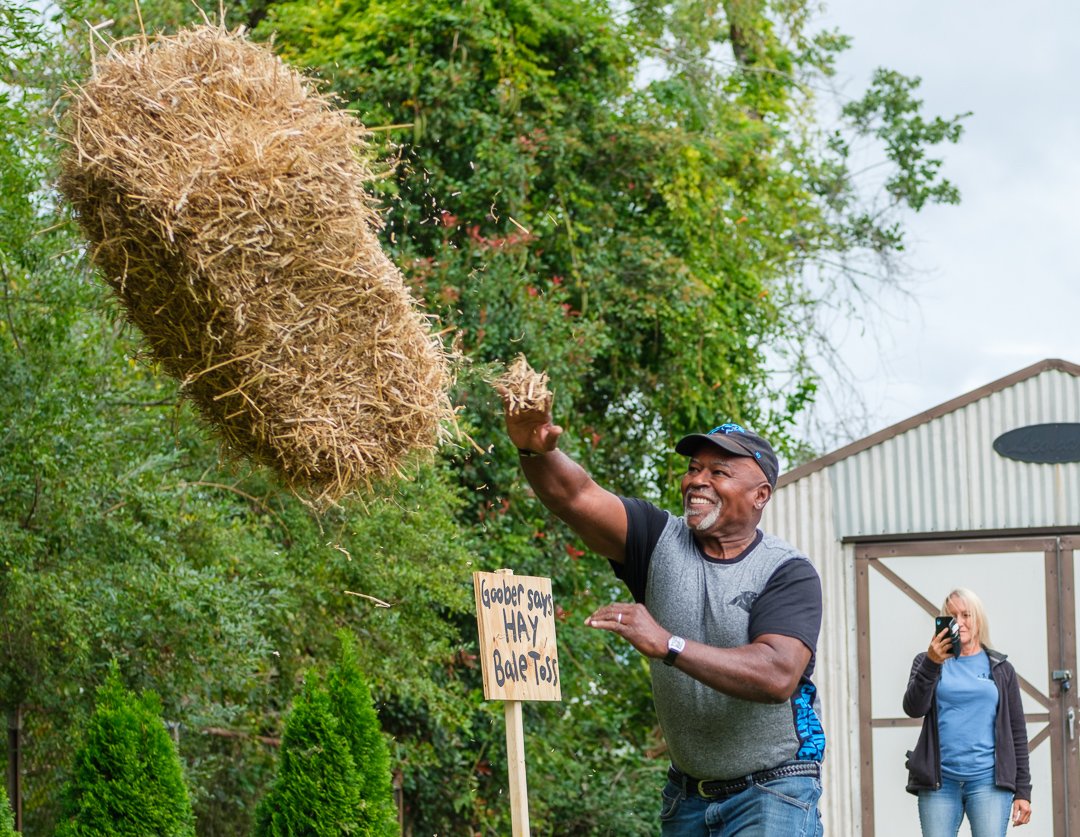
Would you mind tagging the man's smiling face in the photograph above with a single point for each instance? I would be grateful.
(722, 493)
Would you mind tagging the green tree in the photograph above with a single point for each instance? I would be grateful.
(317, 789)
(351, 704)
(655, 246)
(127, 778)
(122, 535)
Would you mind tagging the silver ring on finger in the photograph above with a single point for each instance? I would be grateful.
(619, 618)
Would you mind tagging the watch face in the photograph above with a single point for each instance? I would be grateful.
(675, 644)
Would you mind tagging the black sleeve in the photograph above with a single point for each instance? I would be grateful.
(922, 686)
(790, 605)
(644, 524)
(1019, 734)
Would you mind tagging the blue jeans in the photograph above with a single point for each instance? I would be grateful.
(785, 807)
(986, 805)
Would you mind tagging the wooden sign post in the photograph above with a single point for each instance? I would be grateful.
(515, 615)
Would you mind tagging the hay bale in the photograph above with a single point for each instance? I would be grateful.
(523, 389)
(224, 201)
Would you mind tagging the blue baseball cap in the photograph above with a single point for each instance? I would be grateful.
(731, 438)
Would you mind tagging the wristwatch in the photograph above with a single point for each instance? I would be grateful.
(675, 645)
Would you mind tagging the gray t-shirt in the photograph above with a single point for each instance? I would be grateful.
(771, 588)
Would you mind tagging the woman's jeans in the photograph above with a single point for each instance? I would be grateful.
(786, 807)
(986, 805)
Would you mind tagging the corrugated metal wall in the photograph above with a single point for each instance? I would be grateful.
(802, 514)
(942, 477)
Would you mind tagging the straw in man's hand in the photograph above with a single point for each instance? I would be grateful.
(523, 389)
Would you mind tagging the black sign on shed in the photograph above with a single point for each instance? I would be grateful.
(1041, 443)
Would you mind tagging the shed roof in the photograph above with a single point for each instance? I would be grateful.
(929, 415)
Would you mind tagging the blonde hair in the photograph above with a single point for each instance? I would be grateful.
(975, 607)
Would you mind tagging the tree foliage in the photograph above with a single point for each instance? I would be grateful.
(127, 778)
(7, 816)
(122, 535)
(647, 243)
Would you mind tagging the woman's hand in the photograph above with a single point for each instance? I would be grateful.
(1021, 812)
(940, 647)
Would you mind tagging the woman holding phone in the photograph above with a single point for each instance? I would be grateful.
(972, 755)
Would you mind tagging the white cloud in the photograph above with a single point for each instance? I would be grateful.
(997, 278)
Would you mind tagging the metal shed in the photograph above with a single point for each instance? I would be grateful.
(982, 492)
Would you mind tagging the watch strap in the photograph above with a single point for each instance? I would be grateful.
(675, 646)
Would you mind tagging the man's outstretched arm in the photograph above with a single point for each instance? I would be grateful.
(767, 670)
(564, 487)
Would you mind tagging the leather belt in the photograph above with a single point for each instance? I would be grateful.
(723, 788)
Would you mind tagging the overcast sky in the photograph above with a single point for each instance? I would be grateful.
(997, 279)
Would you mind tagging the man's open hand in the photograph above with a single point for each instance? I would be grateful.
(530, 429)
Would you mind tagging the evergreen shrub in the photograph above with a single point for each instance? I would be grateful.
(127, 778)
(351, 703)
(317, 790)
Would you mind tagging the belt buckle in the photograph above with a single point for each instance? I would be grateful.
(723, 789)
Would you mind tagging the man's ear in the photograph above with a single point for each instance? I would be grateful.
(762, 495)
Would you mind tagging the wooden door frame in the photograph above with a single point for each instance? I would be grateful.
(1069, 748)
(1059, 580)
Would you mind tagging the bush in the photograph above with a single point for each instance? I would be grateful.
(127, 778)
(351, 703)
(316, 791)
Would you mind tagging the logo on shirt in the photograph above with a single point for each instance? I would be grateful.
(807, 725)
(745, 600)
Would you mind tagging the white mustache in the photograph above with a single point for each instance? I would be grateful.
(704, 520)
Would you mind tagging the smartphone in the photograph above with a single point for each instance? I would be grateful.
(943, 622)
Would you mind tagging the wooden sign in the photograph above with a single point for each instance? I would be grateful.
(515, 615)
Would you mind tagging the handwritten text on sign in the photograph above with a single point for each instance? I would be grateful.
(516, 618)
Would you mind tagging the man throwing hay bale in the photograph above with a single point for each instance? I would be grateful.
(225, 204)
(727, 615)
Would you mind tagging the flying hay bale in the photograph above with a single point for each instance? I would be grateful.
(224, 201)
(523, 389)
